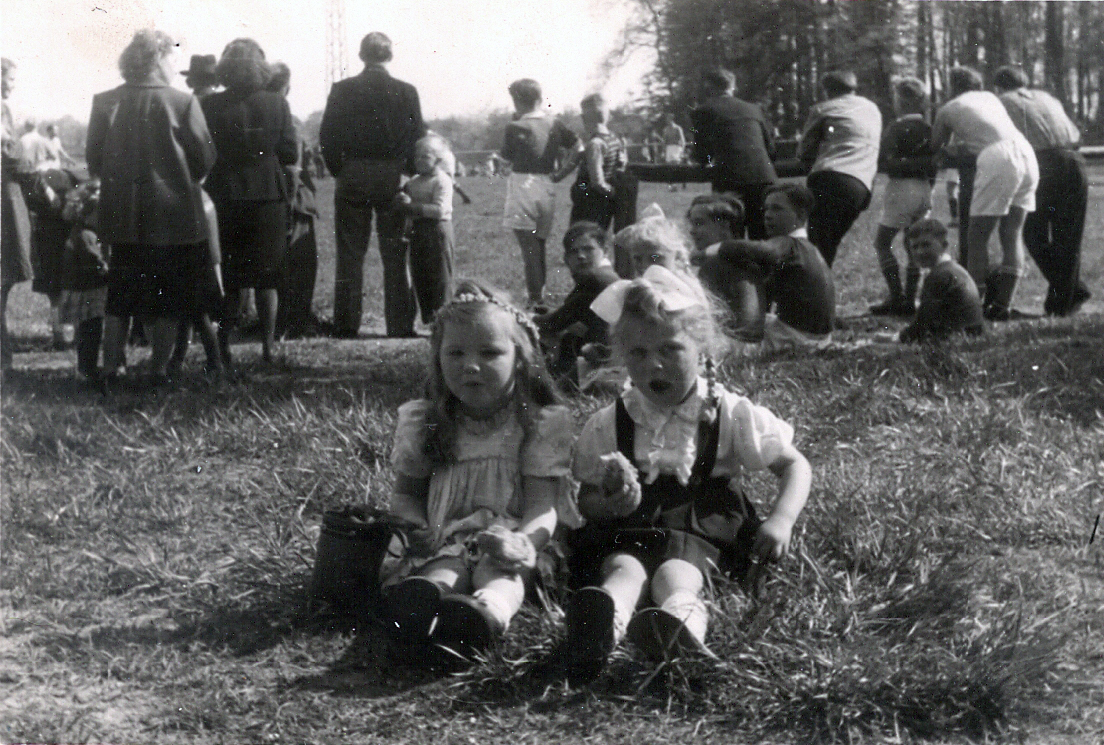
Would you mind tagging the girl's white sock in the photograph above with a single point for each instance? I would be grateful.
(689, 608)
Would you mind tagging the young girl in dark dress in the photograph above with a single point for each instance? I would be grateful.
(660, 473)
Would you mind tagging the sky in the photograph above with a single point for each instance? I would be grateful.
(460, 54)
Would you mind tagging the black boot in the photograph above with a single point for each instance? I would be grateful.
(999, 288)
(89, 336)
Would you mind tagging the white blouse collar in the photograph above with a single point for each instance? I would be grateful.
(674, 443)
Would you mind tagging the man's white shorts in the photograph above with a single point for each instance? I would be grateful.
(673, 153)
(530, 203)
(906, 201)
(1007, 174)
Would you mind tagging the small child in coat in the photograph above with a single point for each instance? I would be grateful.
(84, 278)
(427, 200)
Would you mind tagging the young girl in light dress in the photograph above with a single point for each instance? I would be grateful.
(660, 472)
(482, 467)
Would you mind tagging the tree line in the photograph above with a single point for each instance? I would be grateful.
(778, 49)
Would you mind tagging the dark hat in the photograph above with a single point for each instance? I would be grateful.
(202, 65)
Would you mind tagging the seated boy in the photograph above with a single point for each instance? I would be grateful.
(949, 299)
(573, 325)
(535, 147)
(795, 299)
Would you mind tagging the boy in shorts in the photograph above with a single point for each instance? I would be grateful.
(906, 156)
(534, 145)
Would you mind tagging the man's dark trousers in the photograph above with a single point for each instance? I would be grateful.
(364, 188)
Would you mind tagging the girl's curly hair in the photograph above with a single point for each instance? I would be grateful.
(242, 66)
(533, 386)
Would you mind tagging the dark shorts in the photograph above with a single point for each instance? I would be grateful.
(253, 237)
(156, 281)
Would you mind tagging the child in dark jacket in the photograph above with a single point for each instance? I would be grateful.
(573, 329)
(949, 301)
(84, 278)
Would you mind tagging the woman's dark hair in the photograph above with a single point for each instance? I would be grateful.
(142, 55)
(243, 67)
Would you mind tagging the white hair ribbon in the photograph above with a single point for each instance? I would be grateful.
(674, 293)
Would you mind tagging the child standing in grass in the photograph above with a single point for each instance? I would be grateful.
(482, 469)
(536, 148)
(84, 278)
(660, 474)
(427, 200)
(949, 301)
(907, 157)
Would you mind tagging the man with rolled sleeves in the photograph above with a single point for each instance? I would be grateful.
(733, 138)
(1052, 233)
(367, 137)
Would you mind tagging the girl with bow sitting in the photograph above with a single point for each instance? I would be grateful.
(660, 472)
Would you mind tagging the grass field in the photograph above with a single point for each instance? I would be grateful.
(942, 588)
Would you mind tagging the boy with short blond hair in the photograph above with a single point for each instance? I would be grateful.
(949, 301)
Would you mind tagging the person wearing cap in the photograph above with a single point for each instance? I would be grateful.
(840, 145)
(367, 137)
(201, 75)
(1052, 233)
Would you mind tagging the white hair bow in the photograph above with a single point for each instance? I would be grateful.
(674, 292)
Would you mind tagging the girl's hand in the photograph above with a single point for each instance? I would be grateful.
(512, 551)
(772, 542)
(620, 484)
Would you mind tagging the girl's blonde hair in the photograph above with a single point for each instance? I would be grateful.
(533, 386)
(701, 322)
(438, 145)
(656, 234)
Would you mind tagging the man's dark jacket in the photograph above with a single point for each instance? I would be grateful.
(371, 116)
(734, 137)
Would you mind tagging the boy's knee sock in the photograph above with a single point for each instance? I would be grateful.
(912, 282)
(689, 608)
(891, 270)
(89, 334)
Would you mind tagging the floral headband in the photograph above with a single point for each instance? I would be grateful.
(674, 292)
(522, 318)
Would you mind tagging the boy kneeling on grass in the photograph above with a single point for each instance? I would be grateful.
(780, 290)
(573, 329)
(949, 300)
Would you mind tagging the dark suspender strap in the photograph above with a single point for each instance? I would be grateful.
(626, 430)
(709, 436)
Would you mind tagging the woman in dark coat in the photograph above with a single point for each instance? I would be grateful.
(148, 143)
(15, 221)
(255, 137)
